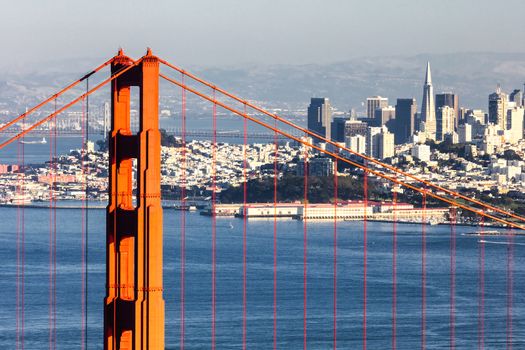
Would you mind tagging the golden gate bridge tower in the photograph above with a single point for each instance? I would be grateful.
(134, 306)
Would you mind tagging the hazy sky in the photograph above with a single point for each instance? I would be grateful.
(229, 32)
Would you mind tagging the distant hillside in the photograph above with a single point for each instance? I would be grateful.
(472, 75)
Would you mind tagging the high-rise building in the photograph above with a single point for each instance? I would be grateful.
(372, 148)
(356, 143)
(355, 127)
(465, 133)
(379, 142)
(428, 109)
(320, 117)
(373, 103)
(498, 108)
(451, 100)
(406, 110)
(515, 124)
(338, 129)
(516, 96)
(386, 144)
(444, 122)
(384, 116)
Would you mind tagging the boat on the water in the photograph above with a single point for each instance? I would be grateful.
(38, 142)
(20, 199)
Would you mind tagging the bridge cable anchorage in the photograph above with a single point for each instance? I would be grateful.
(54, 96)
(365, 253)
(424, 271)
(68, 105)
(348, 161)
(481, 287)
(275, 180)
(452, 322)
(183, 222)
(305, 247)
(328, 141)
(244, 229)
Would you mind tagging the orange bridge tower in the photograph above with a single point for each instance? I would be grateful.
(134, 306)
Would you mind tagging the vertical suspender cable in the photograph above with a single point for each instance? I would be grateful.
(394, 268)
(510, 289)
(55, 173)
(82, 224)
(424, 271)
(183, 221)
(18, 240)
(214, 221)
(86, 245)
(453, 219)
(51, 126)
(244, 226)
(335, 257)
(23, 248)
(481, 287)
(365, 257)
(305, 246)
(275, 179)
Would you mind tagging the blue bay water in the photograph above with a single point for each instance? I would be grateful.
(37, 153)
(260, 283)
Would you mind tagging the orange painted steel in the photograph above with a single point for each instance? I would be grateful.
(346, 160)
(71, 103)
(134, 305)
(373, 160)
(49, 99)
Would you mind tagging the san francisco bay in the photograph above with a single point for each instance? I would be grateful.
(320, 271)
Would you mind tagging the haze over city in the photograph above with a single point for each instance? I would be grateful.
(230, 32)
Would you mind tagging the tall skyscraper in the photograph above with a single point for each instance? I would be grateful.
(355, 127)
(356, 143)
(406, 110)
(515, 124)
(338, 129)
(373, 103)
(386, 144)
(445, 122)
(384, 116)
(516, 96)
(428, 109)
(320, 117)
(448, 99)
(379, 142)
(498, 108)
